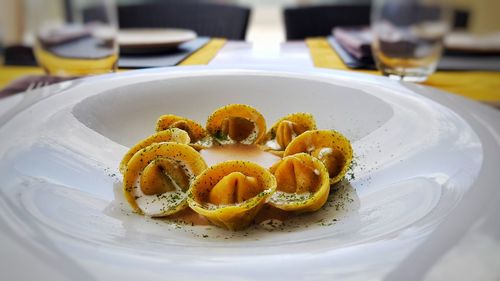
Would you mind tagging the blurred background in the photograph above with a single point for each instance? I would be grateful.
(266, 25)
(405, 40)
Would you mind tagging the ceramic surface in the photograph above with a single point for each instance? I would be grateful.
(420, 204)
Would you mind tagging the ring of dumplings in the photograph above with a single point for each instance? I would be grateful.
(164, 173)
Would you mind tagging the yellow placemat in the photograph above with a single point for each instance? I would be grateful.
(202, 56)
(11, 73)
(206, 53)
(479, 85)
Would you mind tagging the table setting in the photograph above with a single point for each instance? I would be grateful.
(172, 154)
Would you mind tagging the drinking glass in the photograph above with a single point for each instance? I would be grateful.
(1, 47)
(78, 38)
(408, 37)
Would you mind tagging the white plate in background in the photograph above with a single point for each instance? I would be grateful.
(153, 38)
(422, 204)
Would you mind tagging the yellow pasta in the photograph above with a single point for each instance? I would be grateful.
(169, 135)
(231, 193)
(164, 173)
(236, 123)
(158, 176)
(288, 128)
(329, 146)
(303, 184)
(195, 131)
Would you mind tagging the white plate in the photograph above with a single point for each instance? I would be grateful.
(134, 38)
(423, 204)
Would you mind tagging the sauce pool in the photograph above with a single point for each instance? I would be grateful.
(253, 153)
(267, 212)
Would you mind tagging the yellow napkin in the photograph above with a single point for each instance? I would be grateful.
(479, 85)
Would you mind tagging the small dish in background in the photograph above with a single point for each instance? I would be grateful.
(466, 42)
(152, 40)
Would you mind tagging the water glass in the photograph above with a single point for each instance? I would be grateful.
(82, 42)
(408, 37)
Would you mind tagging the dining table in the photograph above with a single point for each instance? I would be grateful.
(421, 202)
(482, 86)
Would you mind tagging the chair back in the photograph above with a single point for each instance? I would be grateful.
(318, 20)
(206, 19)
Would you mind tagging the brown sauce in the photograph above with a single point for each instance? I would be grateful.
(189, 216)
(253, 153)
(267, 212)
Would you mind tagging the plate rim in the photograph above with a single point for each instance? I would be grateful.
(469, 110)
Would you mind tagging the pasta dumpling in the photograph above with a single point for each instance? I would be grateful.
(169, 135)
(302, 182)
(234, 188)
(158, 177)
(236, 123)
(195, 131)
(329, 146)
(288, 128)
(231, 193)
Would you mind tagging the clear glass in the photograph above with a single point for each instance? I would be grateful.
(408, 37)
(79, 38)
(1, 47)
